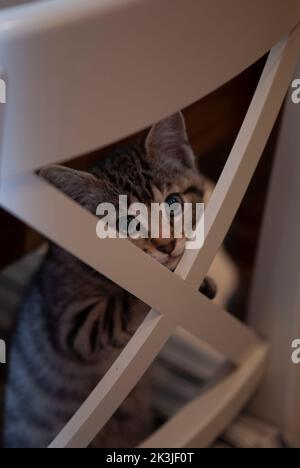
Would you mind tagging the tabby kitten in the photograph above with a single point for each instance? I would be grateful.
(74, 321)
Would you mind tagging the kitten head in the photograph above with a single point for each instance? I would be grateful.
(160, 170)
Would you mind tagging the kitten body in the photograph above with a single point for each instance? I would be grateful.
(74, 321)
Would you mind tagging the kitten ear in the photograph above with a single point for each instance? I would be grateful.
(80, 186)
(169, 138)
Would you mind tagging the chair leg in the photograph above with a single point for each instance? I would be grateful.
(275, 304)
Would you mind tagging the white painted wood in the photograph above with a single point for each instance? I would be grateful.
(245, 154)
(275, 303)
(67, 52)
(66, 223)
(198, 424)
(51, 212)
(283, 60)
(82, 74)
(82, 427)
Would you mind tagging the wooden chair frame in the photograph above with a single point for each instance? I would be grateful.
(43, 207)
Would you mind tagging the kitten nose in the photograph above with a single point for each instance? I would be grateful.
(166, 246)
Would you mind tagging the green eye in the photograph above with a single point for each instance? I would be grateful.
(175, 203)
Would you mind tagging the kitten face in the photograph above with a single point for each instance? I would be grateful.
(161, 170)
(168, 251)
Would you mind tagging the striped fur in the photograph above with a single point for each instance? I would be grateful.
(74, 322)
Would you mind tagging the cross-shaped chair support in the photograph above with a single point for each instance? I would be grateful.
(50, 212)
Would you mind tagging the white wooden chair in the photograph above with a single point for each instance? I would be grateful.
(82, 74)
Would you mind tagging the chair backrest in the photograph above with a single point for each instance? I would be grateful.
(80, 75)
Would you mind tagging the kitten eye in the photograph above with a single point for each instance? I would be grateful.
(175, 203)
